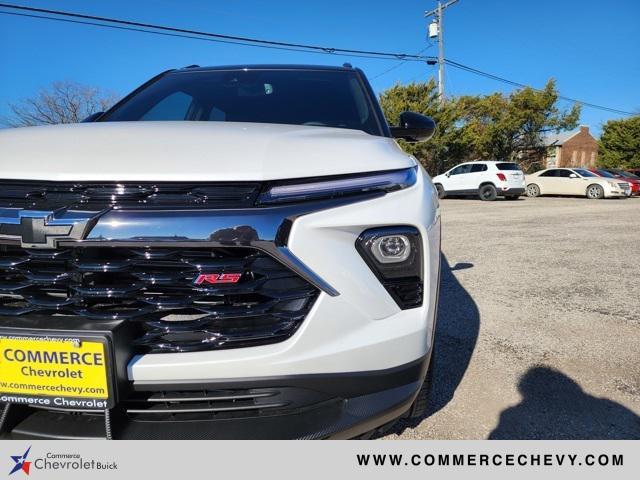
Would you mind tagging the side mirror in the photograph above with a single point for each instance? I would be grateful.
(414, 127)
(447, 174)
(573, 175)
(92, 117)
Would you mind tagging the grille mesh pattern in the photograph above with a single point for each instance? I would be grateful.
(205, 405)
(155, 287)
(98, 196)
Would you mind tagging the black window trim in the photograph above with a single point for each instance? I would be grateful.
(470, 164)
(508, 163)
(483, 167)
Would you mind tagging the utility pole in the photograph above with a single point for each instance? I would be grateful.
(436, 30)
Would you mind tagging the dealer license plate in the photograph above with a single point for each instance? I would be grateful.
(57, 372)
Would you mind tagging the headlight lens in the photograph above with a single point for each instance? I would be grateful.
(332, 187)
(391, 248)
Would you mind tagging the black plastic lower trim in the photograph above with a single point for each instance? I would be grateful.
(511, 191)
(336, 405)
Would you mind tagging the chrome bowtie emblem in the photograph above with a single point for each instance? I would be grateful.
(42, 229)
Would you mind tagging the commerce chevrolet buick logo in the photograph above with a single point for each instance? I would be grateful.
(21, 463)
(42, 229)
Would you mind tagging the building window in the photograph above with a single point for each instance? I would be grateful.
(551, 157)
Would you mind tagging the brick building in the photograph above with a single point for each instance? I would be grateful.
(571, 149)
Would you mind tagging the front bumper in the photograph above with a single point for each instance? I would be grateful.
(618, 193)
(335, 406)
(505, 191)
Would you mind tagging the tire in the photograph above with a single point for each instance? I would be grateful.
(487, 193)
(440, 190)
(595, 192)
(512, 197)
(533, 190)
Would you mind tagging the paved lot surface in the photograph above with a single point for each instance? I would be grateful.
(539, 324)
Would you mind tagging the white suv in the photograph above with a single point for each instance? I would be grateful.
(221, 255)
(485, 179)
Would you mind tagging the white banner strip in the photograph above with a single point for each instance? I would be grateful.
(334, 459)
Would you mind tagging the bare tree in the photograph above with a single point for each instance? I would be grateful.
(62, 102)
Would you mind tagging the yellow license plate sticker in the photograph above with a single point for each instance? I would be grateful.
(53, 367)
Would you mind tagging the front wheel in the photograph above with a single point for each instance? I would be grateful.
(595, 192)
(487, 193)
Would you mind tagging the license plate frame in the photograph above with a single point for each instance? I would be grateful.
(64, 401)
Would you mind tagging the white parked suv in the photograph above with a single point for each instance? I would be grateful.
(486, 179)
(228, 252)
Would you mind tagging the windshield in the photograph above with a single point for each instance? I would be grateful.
(584, 173)
(628, 175)
(604, 173)
(325, 98)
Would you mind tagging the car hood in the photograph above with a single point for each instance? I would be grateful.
(191, 151)
(603, 180)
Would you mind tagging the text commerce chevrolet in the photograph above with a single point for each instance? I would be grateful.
(228, 252)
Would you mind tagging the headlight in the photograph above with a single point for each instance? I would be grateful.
(613, 185)
(391, 248)
(339, 186)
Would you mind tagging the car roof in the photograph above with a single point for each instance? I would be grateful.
(493, 162)
(267, 66)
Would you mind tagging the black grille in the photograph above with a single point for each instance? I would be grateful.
(407, 292)
(155, 287)
(213, 404)
(98, 196)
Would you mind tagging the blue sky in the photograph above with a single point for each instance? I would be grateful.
(590, 48)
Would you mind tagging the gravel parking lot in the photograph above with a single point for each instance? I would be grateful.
(539, 323)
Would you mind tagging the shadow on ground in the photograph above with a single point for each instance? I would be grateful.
(555, 407)
(457, 331)
(475, 197)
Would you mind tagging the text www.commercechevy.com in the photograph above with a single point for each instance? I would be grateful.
(489, 460)
(33, 388)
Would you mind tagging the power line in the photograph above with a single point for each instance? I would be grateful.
(399, 64)
(522, 85)
(145, 27)
(104, 22)
(190, 37)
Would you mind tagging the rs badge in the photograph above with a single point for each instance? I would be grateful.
(216, 278)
